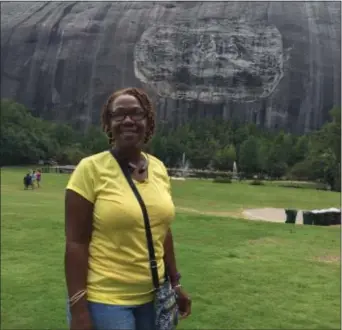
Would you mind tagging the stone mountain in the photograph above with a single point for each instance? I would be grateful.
(277, 64)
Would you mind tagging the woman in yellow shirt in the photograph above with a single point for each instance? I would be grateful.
(107, 266)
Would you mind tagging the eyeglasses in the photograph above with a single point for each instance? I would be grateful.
(136, 116)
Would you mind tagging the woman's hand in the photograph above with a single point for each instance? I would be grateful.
(183, 302)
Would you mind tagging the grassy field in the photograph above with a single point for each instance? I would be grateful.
(241, 274)
(207, 196)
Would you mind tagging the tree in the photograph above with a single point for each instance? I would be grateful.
(278, 156)
(94, 140)
(71, 155)
(201, 155)
(249, 156)
(300, 149)
(324, 154)
(26, 139)
(264, 147)
(225, 158)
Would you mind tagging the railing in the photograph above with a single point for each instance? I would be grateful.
(196, 173)
(58, 169)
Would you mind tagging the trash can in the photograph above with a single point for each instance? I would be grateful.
(328, 218)
(335, 216)
(317, 217)
(321, 218)
(308, 218)
(291, 215)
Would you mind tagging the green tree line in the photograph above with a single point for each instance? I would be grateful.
(213, 144)
(26, 139)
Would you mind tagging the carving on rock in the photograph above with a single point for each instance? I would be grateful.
(211, 61)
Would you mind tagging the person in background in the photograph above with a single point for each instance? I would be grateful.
(107, 266)
(28, 181)
(33, 177)
(38, 177)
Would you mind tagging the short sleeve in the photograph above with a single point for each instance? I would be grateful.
(82, 180)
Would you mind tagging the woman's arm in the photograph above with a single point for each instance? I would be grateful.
(183, 300)
(170, 259)
(78, 229)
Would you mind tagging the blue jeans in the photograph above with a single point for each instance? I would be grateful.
(114, 317)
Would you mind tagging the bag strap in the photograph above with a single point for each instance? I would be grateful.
(150, 247)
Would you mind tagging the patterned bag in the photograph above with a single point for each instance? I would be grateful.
(165, 299)
(166, 307)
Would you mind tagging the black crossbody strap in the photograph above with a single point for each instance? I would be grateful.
(150, 246)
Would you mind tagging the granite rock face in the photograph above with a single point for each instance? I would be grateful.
(277, 64)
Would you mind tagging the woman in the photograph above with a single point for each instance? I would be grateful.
(38, 177)
(106, 258)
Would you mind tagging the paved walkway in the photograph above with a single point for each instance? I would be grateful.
(264, 214)
(271, 215)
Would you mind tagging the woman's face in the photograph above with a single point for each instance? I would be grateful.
(128, 122)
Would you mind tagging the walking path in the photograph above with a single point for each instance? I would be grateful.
(271, 215)
(264, 214)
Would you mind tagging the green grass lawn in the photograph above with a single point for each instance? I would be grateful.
(241, 274)
(208, 196)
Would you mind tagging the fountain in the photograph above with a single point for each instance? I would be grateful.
(235, 172)
(210, 166)
(183, 168)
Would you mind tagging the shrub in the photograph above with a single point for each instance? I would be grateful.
(299, 171)
(229, 175)
(222, 180)
(257, 182)
(304, 185)
(291, 185)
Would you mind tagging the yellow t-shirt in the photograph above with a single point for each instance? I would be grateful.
(119, 271)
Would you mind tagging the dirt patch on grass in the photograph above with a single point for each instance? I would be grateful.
(329, 259)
